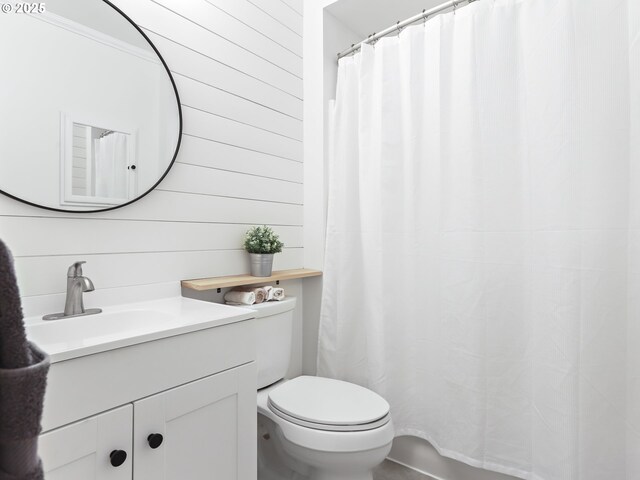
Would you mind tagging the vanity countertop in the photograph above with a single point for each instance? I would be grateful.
(129, 324)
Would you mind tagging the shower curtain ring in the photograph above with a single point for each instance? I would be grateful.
(424, 17)
(398, 27)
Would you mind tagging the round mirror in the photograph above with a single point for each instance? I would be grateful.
(90, 118)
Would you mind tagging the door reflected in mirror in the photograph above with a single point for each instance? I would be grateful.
(98, 164)
(90, 114)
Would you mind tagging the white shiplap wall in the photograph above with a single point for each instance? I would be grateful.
(238, 68)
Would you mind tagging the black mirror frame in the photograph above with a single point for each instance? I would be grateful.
(175, 153)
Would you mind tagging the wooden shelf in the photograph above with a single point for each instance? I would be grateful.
(213, 283)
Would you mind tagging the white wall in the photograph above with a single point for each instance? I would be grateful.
(325, 36)
(633, 399)
(98, 16)
(238, 67)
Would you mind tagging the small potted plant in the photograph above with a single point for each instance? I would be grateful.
(262, 243)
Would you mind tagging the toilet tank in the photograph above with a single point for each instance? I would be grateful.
(274, 331)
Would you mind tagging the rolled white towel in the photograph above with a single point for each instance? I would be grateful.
(240, 298)
(277, 293)
(269, 290)
(261, 292)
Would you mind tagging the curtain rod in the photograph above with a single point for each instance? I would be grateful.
(400, 25)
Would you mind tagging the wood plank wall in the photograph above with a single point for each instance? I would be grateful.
(238, 68)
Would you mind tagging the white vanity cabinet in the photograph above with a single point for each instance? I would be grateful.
(81, 451)
(198, 431)
(206, 427)
(172, 407)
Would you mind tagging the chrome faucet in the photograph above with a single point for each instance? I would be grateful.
(77, 284)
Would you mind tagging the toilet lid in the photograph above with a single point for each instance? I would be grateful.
(329, 404)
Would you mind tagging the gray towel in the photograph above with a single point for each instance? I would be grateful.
(21, 400)
(35, 475)
(23, 376)
(14, 351)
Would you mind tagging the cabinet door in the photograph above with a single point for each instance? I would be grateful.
(83, 450)
(208, 430)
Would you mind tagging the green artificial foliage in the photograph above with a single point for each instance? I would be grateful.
(262, 240)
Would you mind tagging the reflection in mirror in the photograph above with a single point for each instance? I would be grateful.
(90, 117)
(98, 164)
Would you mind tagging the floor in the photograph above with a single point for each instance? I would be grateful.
(393, 471)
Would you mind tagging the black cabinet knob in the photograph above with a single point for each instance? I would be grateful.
(133, 167)
(155, 440)
(117, 457)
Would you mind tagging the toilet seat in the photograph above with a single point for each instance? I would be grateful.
(331, 428)
(324, 440)
(328, 404)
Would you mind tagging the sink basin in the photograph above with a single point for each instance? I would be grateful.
(125, 325)
(82, 331)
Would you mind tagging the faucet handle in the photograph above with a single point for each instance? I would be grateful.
(75, 270)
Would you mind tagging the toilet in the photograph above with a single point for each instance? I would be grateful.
(312, 427)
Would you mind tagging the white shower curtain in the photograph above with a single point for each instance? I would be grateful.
(481, 265)
(111, 166)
